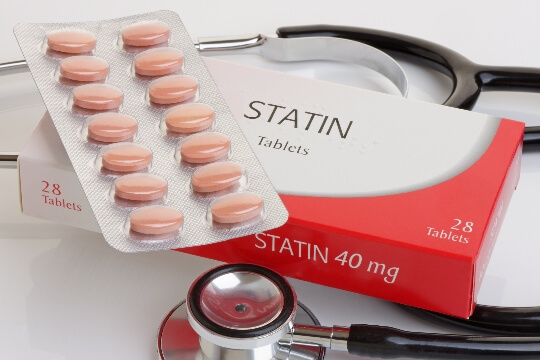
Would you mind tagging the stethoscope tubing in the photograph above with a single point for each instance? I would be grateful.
(389, 343)
(492, 319)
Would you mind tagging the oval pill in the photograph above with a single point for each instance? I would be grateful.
(158, 62)
(172, 89)
(205, 148)
(84, 68)
(127, 158)
(155, 220)
(98, 97)
(189, 118)
(111, 127)
(140, 188)
(145, 34)
(216, 177)
(71, 41)
(236, 208)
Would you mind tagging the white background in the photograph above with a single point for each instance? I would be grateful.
(65, 294)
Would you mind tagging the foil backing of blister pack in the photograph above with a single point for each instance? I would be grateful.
(197, 228)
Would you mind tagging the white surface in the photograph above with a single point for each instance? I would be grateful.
(67, 295)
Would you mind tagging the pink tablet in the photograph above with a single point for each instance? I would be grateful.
(158, 62)
(126, 158)
(98, 97)
(205, 148)
(111, 127)
(216, 177)
(71, 41)
(156, 220)
(173, 89)
(140, 187)
(237, 208)
(145, 33)
(189, 118)
(84, 68)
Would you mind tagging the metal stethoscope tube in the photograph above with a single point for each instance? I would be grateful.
(290, 50)
(243, 311)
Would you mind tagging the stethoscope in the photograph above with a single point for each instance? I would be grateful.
(248, 312)
(469, 80)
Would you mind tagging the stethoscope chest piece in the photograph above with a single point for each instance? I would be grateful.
(246, 312)
(236, 312)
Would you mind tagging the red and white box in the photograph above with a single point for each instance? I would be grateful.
(388, 197)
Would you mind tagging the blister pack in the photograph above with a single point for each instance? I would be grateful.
(160, 157)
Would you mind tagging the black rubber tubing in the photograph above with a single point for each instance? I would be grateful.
(491, 319)
(388, 343)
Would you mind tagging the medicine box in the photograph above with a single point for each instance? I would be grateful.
(387, 197)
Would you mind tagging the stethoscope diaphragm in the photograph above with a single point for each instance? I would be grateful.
(237, 312)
